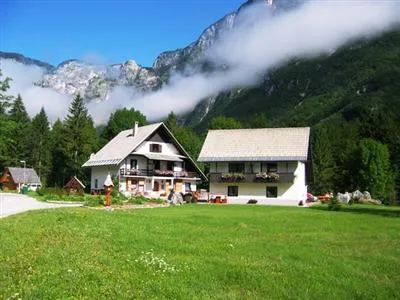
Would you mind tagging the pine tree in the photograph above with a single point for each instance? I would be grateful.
(5, 100)
(40, 157)
(258, 120)
(172, 122)
(120, 120)
(18, 111)
(7, 154)
(323, 163)
(21, 132)
(223, 122)
(374, 172)
(57, 175)
(80, 138)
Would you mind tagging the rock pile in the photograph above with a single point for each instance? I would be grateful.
(357, 197)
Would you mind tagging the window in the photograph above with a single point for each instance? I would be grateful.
(233, 190)
(236, 167)
(170, 165)
(155, 148)
(188, 187)
(272, 191)
(133, 163)
(269, 167)
(96, 183)
(156, 164)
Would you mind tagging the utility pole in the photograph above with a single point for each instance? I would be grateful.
(24, 162)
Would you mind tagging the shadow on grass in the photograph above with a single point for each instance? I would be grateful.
(383, 211)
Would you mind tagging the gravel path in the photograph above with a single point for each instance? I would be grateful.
(11, 204)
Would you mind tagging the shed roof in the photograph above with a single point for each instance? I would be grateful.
(263, 144)
(24, 175)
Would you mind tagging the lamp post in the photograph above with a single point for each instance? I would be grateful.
(23, 162)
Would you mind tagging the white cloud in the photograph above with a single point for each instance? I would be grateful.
(257, 43)
(34, 97)
(260, 41)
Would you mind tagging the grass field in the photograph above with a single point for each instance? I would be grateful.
(201, 252)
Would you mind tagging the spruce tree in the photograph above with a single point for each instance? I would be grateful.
(374, 173)
(57, 175)
(5, 99)
(172, 122)
(223, 122)
(18, 111)
(7, 154)
(323, 162)
(21, 131)
(80, 138)
(40, 157)
(120, 120)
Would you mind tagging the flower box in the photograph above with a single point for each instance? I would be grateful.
(232, 177)
(267, 177)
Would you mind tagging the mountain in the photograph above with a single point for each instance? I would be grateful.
(96, 81)
(26, 60)
(344, 84)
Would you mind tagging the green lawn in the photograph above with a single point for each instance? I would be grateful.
(201, 252)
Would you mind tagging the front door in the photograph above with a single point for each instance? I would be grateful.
(178, 186)
(156, 186)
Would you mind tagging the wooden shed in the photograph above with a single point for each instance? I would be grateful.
(13, 178)
(75, 186)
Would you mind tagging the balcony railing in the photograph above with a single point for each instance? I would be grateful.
(156, 173)
(283, 177)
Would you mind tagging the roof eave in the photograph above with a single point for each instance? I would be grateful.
(252, 159)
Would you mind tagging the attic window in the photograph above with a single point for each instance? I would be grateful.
(155, 148)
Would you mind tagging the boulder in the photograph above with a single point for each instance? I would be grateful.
(344, 198)
(357, 196)
(367, 195)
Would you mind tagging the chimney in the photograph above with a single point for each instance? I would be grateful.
(135, 128)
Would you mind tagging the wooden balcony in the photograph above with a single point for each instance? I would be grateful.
(251, 177)
(156, 173)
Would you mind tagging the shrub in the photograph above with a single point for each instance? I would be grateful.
(334, 204)
(156, 200)
(118, 200)
(93, 200)
(188, 198)
(40, 191)
(53, 191)
(137, 200)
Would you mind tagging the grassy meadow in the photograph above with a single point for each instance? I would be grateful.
(202, 252)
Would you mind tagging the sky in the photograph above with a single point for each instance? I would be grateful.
(105, 32)
(259, 41)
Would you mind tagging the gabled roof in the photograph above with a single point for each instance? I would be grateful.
(116, 150)
(121, 146)
(74, 180)
(263, 144)
(24, 175)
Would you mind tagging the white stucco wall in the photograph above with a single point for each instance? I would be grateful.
(141, 162)
(288, 193)
(100, 173)
(166, 148)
